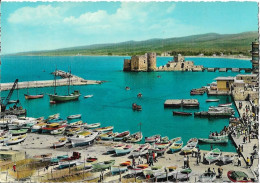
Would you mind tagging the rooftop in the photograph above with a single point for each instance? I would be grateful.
(229, 78)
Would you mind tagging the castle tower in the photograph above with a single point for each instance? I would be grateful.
(151, 60)
(255, 57)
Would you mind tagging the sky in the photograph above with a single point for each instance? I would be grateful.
(32, 26)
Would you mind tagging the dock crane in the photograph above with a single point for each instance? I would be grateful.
(5, 102)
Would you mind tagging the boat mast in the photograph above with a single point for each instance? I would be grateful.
(55, 80)
(69, 81)
(140, 126)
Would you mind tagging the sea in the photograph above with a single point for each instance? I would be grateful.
(111, 104)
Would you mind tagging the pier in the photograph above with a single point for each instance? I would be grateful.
(177, 103)
(247, 70)
(74, 80)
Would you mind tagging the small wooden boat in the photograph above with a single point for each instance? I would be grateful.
(193, 140)
(154, 170)
(176, 146)
(108, 136)
(88, 96)
(212, 100)
(54, 116)
(18, 132)
(126, 163)
(91, 126)
(112, 149)
(62, 141)
(75, 116)
(227, 159)
(211, 136)
(75, 124)
(27, 97)
(53, 126)
(90, 159)
(121, 136)
(183, 174)
(189, 147)
(118, 169)
(214, 141)
(152, 139)
(136, 107)
(104, 129)
(182, 113)
(103, 165)
(16, 139)
(138, 169)
(66, 164)
(139, 95)
(38, 127)
(141, 150)
(83, 138)
(238, 176)
(5, 137)
(163, 140)
(208, 177)
(58, 131)
(213, 155)
(124, 149)
(13, 101)
(158, 149)
(73, 130)
(56, 160)
(43, 156)
(171, 172)
(136, 137)
(225, 105)
(127, 88)
(197, 92)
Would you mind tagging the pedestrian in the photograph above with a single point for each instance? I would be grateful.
(247, 162)
(211, 147)
(209, 170)
(199, 157)
(214, 170)
(188, 162)
(151, 160)
(239, 161)
(244, 139)
(252, 160)
(185, 161)
(47, 167)
(147, 158)
(14, 167)
(133, 161)
(242, 148)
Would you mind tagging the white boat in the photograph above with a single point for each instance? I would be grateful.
(62, 141)
(183, 174)
(138, 169)
(75, 116)
(58, 131)
(141, 150)
(108, 136)
(207, 177)
(83, 138)
(88, 96)
(91, 126)
(75, 124)
(112, 149)
(152, 139)
(189, 147)
(225, 105)
(104, 129)
(154, 170)
(212, 100)
(213, 155)
(227, 159)
(22, 122)
(5, 137)
(54, 116)
(124, 149)
(136, 137)
(16, 139)
(211, 136)
(37, 127)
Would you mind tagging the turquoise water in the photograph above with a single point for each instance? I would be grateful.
(111, 103)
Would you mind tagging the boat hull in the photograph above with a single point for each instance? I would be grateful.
(33, 96)
(65, 98)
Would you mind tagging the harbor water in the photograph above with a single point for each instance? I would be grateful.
(112, 104)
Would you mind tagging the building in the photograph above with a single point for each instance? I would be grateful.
(247, 78)
(11, 155)
(224, 83)
(255, 57)
(146, 62)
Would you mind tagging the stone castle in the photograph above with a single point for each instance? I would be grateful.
(146, 62)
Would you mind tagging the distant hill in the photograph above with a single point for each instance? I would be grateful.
(207, 44)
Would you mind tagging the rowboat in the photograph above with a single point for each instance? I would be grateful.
(208, 177)
(152, 139)
(163, 140)
(213, 155)
(5, 137)
(13, 101)
(54, 98)
(136, 107)
(16, 139)
(83, 138)
(58, 158)
(58, 131)
(214, 141)
(33, 96)
(238, 176)
(126, 163)
(91, 126)
(227, 159)
(104, 129)
(176, 146)
(91, 159)
(138, 169)
(108, 136)
(141, 150)
(197, 92)
(38, 127)
(211, 136)
(73, 130)
(66, 164)
(103, 165)
(18, 132)
(189, 147)
(136, 137)
(62, 141)
(75, 124)
(171, 172)
(53, 126)
(43, 156)
(121, 136)
(181, 113)
(118, 169)
(112, 149)
(88, 96)
(159, 149)
(154, 170)
(194, 140)
(212, 100)
(183, 174)
(225, 105)
(54, 116)
(124, 149)
(58, 120)
(75, 116)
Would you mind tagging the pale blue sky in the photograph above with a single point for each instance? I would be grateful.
(30, 26)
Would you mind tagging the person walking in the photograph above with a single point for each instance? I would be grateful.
(252, 160)
(247, 162)
(14, 167)
(188, 162)
(185, 161)
(238, 161)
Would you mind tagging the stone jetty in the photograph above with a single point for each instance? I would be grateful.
(74, 80)
(177, 103)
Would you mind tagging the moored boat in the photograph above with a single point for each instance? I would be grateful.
(108, 136)
(141, 150)
(176, 146)
(189, 147)
(38, 127)
(73, 130)
(16, 139)
(75, 124)
(53, 126)
(75, 116)
(53, 116)
(219, 136)
(91, 126)
(103, 165)
(88, 96)
(138, 169)
(104, 129)
(136, 137)
(58, 131)
(18, 132)
(152, 139)
(225, 105)
(213, 155)
(121, 136)
(112, 149)
(212, 100)
(27, 96)
(62, 141)
(214, 141)
(226, 159)
(182, 113)
(136, 107)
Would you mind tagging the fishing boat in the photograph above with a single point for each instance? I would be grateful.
(238, 176)
(211, 136)
(62, 141)
(212, 100)
(154, 170)
(5, 137)
(27, 96)
(38, 127)
(152, 139)
(103, 165)
(83, 138)
(176, 146)
(56, 160)
(75, 124)
(183, 174)
(136, 107)
(104, 129)
(13, 101)
(18, 132)
(121, 136)
(163, 140)
(108, 136)
(66, 164)
(136, 137)
(189, 147)
(139, 95)
(192, 140)
(225, 159)
(213, 155)
(91, 159)
(75, 116)
(16, 139)
(126, 163)
(91, 126)
(88, 96)
(112, 149)
(225, 105)
(197, 92)
(53, 126)
(73, 130)
(141, 150)
(208, 177)
(138, 169)
(118, 169)
(158, 149)
(123, 150)
(214, 141)
(54, 98)
(182, 113)
(22, 122)
(58, 131)
(53, 116)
